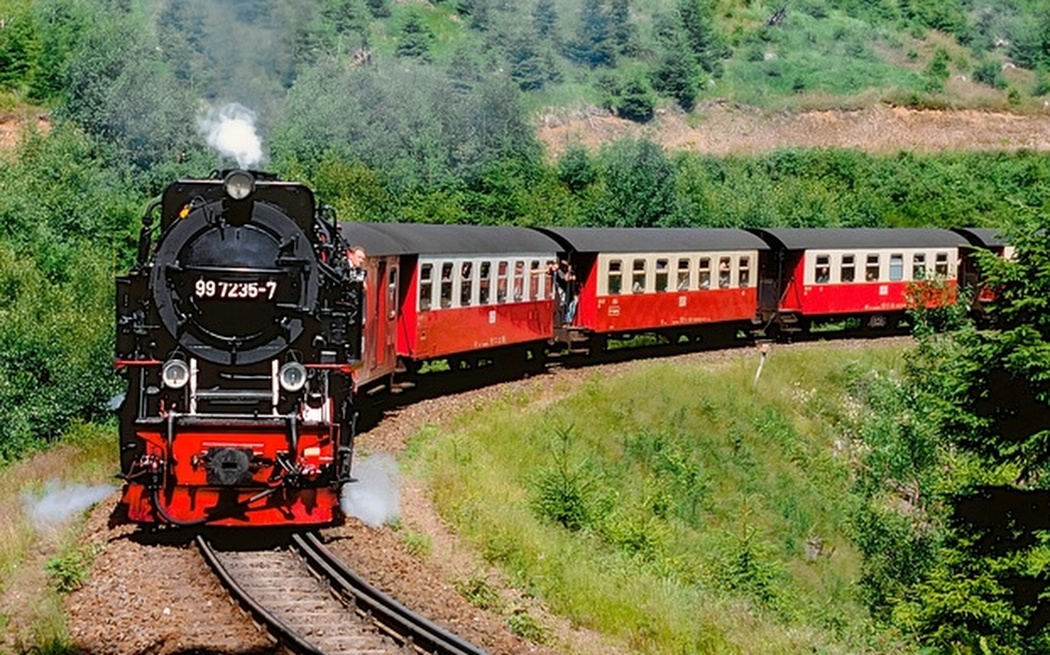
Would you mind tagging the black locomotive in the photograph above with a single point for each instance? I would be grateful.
(238, 330)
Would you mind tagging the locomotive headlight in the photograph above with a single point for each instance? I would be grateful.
(239, 184)
(175, 374)
(292, 377)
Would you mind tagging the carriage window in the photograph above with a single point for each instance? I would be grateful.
(391, 293)
(683, 274)
(548, 279)
(483, 283)
(535, 289)
(661, 275)
(941, 266)
(426, 286)
(501, 282)
(725, 269)
(519, 281)
(871, 270)
(466, 284)
(446, 285)
(847, 270)
(615, 281)
(896, 267)
(918, 267)
(744, 273)
(638, 276)
(705, 273)
(823, 272)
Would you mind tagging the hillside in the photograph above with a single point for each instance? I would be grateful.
(723, 129)
(719, 128)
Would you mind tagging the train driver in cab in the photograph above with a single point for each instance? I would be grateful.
(358, 258)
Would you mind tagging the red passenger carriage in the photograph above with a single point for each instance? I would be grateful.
(858, 273)
(691, 282)
(980, 238)
(453, 292)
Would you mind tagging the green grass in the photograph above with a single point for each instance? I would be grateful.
(679, 508)
(45, 563)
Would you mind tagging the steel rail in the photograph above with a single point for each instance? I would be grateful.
(402, 623)
(279, 629)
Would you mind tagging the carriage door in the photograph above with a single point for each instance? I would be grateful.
(386, 312)
(770, 273)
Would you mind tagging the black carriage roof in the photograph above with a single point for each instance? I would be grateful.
(833, 238)
(426, 239)
(985, 237)
(653, 239)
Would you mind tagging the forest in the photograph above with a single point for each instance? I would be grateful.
(423, 112)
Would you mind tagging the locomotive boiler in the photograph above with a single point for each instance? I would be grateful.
(238, 331)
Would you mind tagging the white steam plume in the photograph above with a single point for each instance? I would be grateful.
(230, 131)
(374, 497)
(57, 502)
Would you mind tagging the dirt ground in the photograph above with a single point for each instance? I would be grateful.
(719, 128)
(11, 128)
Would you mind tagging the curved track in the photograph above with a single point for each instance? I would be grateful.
(313, 604)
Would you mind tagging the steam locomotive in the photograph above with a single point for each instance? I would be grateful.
(238, 330)
(246, 331)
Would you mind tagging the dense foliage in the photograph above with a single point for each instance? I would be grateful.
(955, 526)
(421, 112)
(712, 513)
(347, 101)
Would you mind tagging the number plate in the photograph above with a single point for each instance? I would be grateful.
(219, 289)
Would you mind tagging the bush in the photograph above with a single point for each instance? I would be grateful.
(989, 72)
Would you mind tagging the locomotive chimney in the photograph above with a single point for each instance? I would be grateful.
(240, 189)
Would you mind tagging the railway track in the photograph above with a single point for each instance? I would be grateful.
(313, 604)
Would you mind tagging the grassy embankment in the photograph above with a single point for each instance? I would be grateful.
(677, 507)
(39, 560)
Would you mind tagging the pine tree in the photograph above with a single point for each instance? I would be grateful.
(594, 45)
(987, 390)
